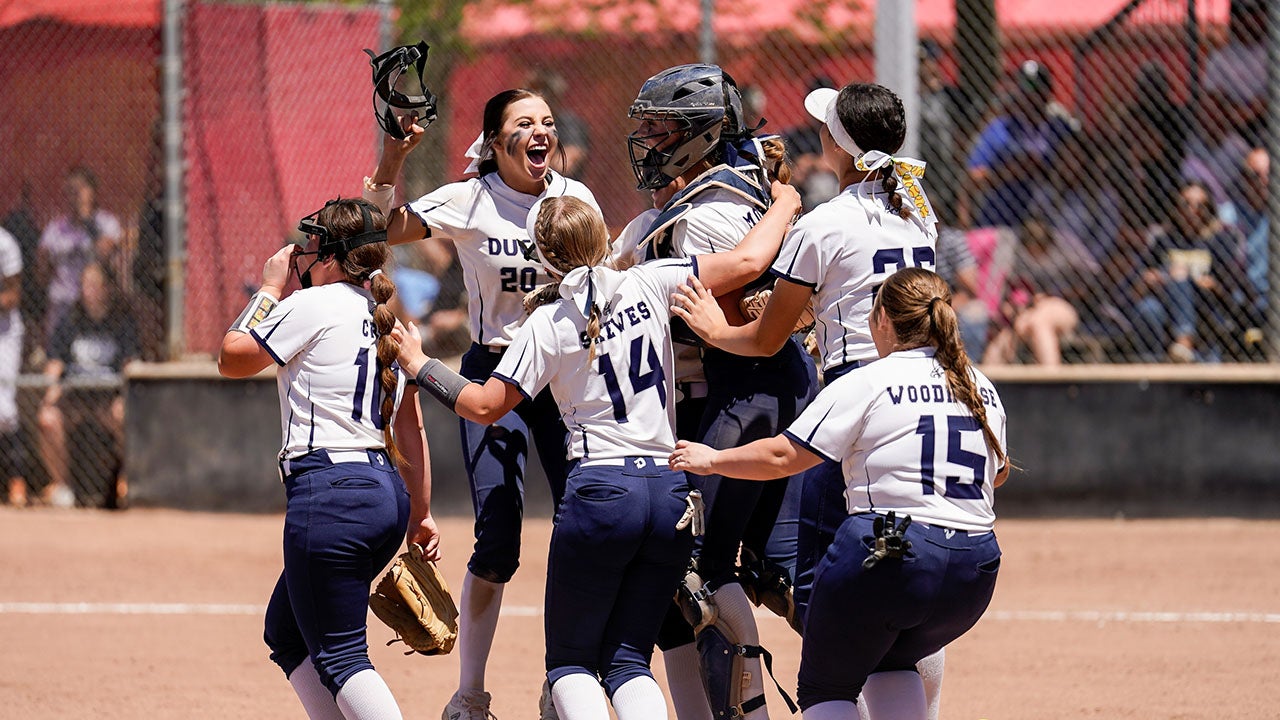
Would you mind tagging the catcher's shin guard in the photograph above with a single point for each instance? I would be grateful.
(723, 659)
(693, 596)
(769, 584)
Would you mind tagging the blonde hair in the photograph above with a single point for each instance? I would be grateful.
(918, 304)
(570, 234)
(345, 218)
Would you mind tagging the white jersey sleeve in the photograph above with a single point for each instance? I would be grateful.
(804, 254)
(290, 328)
(449, 211)
(533, 358)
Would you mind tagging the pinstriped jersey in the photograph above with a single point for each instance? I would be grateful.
(325, 343)
(621, 403)
(843, 249)
(906, 443)
(485, 218)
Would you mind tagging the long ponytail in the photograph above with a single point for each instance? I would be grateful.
(918, 303)
(384, 321)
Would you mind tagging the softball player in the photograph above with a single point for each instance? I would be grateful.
(692, 142)
(603, 347)
(920, 434)
(348, 508)
(485, 218)
(832, 261)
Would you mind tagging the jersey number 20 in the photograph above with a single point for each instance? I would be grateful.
(655, 378)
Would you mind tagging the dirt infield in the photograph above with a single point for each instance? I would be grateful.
(157, 614)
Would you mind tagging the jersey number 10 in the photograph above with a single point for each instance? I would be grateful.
(362, 379)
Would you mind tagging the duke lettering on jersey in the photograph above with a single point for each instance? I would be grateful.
(510, 247)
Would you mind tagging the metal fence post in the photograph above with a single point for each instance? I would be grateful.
(1273, 185)
(174, 208)
(896, 62)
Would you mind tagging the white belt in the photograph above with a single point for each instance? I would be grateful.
(692, 390)
(619, 462)
(337, 457)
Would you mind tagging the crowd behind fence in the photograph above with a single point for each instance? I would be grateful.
(1103, 194)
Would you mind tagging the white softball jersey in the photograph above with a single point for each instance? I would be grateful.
(485, 218)
(843, 249)
(623, 404)
(906, 443)
(325, 343)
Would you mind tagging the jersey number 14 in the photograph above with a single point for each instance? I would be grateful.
(640, 381)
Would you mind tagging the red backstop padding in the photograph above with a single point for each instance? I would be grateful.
(278, 119)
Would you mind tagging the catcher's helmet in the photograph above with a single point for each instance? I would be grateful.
(704, 104)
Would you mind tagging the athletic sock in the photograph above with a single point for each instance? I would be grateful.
(640, 698)
(477, 624)
(365, 696)
(930, 669)
(316, 699)
(578, 696)
(734, 610)
(684, 682)
(896, 695)
(831, 710)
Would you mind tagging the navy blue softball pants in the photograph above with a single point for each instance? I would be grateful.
(615, 560)
(495, 456)
(822, 510)
(343, 524)
(889, 617)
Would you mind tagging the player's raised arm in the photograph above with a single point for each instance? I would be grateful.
(483, 404)
(379, 188)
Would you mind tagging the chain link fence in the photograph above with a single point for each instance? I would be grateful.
(1100, 167)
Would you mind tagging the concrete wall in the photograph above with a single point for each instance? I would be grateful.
(1090, 440)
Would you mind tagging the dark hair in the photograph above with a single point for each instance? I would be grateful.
(875, 119)
(918, 304)
(343, 219)
(494, 111)
(86, 175)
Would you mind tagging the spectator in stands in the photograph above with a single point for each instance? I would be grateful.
(1151, 139)
(93, 342)
(1043, 291)
(1235, 75)
(1214, 152)
(13, 453)
(1249, 208)
(939, 109)
(956, 265)
(444, 328)
(1084, 202)
(70, 242)
(150, 265)
(1195, 281)
(575, 136)
(816, 182)
(1011, 158)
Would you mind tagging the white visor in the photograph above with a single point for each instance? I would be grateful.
(821, 104)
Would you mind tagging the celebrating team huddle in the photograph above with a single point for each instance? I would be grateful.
(695, 465)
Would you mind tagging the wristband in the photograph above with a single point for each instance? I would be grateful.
(260, 305)
(441, 383)
(380, 194)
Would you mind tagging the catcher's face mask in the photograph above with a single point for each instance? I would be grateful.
(387, 69)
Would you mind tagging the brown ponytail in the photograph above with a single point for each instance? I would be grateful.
(775, 159)
(918, 303)
(889, 182)
(384, 321)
